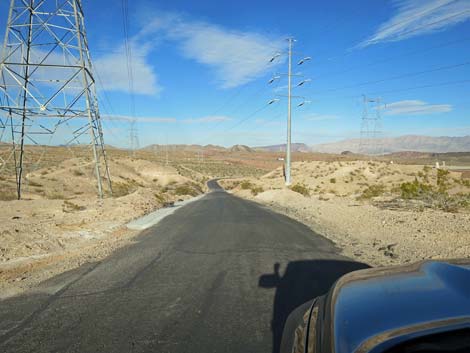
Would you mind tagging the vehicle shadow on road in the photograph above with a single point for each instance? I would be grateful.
(301, 282)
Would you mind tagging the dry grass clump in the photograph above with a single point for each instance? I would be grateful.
(301, 189)
(186, 189)
(34, 183)
(123, 188)
(69, 207)
(7, 195)
(372, 191)
(255, 190)
(54, 195)
(78, 173)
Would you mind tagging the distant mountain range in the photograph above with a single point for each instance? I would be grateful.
(417, 143)
(295, 147)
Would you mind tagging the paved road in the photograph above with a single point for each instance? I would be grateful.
(204, 279)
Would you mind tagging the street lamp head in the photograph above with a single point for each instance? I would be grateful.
(275, 57)
(301, 83)
(274, 79)
(307, 58)
(303, 103)
(273, 101)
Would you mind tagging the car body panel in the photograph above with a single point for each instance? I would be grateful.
(374, 306)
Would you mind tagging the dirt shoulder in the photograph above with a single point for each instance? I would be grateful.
(41, 237)
(364, 229)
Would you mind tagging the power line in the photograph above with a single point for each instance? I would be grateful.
(410, 74)
(133, 133)
(387, 59)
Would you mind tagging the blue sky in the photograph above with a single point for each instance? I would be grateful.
(201, 69)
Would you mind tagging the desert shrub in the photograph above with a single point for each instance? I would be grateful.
(301, 189)
(160, 198)
(185, 190)
(448, 203)
(71, 207)
(246, 185)
(442, 179)
(122, 189)
(78, 173)
(255, 190)
(415, 189)
(7, 195)
(333, 180)
(34, 183)
(372, 191)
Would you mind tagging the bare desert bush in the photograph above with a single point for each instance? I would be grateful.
(7, 195)
(246, 185)
(255, 190)
(301, 189)
(123, 188)
(69, 207)
(372, 191)
(186, 189)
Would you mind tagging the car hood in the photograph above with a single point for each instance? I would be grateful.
(370, 307)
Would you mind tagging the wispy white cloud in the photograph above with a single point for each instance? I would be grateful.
(268, 122)
(418, 17)
(415, 107)
(237, 57)
(113, 75)
(321, 117)
(207, 119)
(139, 119)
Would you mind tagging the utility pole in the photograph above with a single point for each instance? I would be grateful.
(288, 159)
(289, 108)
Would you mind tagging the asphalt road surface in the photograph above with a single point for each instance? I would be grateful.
(204, 279)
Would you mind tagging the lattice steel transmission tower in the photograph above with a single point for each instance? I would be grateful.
(134, 138)
(46, 83)
(371, 127)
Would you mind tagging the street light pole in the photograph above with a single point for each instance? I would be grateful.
(289, 106)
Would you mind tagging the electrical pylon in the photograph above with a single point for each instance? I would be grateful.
(371, 127)
(134, 138)
(46, 82)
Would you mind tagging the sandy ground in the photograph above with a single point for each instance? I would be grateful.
(41, 236)
(365, 229)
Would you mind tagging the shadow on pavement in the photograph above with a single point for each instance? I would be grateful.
(301, 282)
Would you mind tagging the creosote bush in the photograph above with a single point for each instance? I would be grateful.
(185, 190)
(372, 191)
(246, 185)
(414, 189)
(255, 190)
(301, 189)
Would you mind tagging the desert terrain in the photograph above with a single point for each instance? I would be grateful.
(389, 210)
(376, 211)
